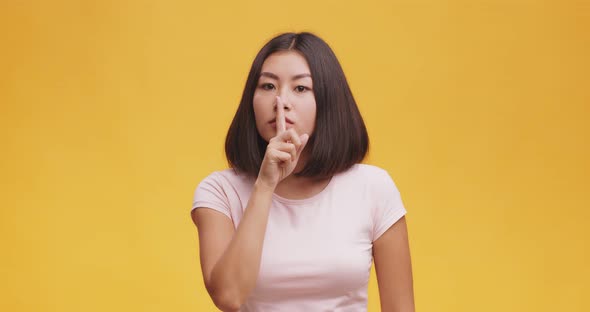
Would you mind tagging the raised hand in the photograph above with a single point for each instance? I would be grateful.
(282, 151)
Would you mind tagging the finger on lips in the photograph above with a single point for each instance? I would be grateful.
(280, 121)
(289, 136)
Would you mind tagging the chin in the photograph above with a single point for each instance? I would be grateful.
(266, 137)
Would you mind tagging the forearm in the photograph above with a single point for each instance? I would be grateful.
(235, 274)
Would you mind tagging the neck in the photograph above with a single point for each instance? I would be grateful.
(293, 180)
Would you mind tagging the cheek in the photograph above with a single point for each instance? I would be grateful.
(262, 114)
(310, 115)
(312, 109)
(258, 104)
(262, 99)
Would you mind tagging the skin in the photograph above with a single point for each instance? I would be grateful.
(393, 267)
(285, 75)
(230, 258)
(286, 79)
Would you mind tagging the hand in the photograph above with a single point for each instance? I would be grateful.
(282, 151)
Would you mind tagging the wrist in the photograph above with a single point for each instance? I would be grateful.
(264, 186)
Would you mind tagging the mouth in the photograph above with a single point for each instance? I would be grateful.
(288, 125)
(287, 121)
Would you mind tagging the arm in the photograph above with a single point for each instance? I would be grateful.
(391, 254)
(230, 259)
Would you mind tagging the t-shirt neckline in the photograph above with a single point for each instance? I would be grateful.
(306, 200)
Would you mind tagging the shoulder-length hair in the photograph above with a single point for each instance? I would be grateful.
(340, 138)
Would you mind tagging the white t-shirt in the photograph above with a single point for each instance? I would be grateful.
(317, 252)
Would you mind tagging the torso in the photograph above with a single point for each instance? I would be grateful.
(317, 251)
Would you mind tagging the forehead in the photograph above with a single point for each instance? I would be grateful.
(285, 63)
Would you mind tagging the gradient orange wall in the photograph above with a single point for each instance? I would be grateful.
(112, 112)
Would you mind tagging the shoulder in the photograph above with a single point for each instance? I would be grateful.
(225, 182)
(222, 190)
(367, 173)
(376, 180)
(227, 177)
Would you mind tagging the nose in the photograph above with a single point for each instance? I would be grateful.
(285, 94)
(286, 102)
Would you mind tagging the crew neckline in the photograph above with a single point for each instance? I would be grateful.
(306, 200)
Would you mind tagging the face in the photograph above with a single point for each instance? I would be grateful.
(287, 75)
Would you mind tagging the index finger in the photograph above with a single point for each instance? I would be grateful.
(280, 121)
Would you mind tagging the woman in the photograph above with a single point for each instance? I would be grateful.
(296, 222)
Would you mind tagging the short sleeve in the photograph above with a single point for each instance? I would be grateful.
(211, 194)
(389, 207)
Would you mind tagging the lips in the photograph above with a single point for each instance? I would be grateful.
(287, 120)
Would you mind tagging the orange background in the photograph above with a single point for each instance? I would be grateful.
(113, 111)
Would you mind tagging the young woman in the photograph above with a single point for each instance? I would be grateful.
(296, 222)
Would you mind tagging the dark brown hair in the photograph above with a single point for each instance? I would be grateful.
(340, 138)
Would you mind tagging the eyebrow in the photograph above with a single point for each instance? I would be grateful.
(275, 77)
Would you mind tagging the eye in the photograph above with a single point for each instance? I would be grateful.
(267, 86)
(301, 89)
